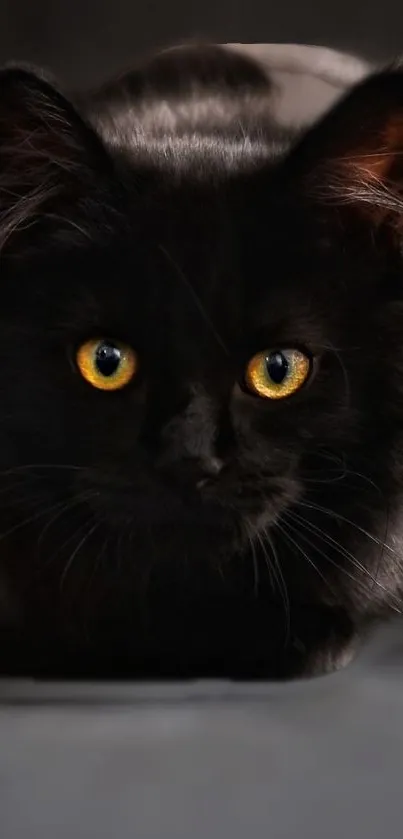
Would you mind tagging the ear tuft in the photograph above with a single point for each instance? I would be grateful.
(355, 154)
(372, 180)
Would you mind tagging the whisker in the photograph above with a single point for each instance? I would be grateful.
(325, 537)
(75, 553)
(336, 515)
(255, 562)
(355, 579)
(343, 551)
(28, 466)
(71, 537)
(275, 566)
(347, 473)
(340, 568)
(285, 527)
(73, 502)
(28, 520)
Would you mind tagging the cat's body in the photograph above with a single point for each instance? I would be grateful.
(184, 524)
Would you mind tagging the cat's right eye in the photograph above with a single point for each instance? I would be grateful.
(107, 365)
(278, 373)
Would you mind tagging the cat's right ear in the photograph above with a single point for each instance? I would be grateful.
(353, 157)
(53, 167)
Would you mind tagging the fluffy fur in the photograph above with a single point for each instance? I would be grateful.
(182, 526)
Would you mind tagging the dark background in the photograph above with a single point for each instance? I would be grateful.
(83, 41)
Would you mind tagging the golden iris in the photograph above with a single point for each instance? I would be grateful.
(275, 374)
(107, 365)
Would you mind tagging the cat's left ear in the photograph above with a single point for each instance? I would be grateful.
(354, 156)
(53, 167)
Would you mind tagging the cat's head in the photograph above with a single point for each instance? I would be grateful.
(200, 324)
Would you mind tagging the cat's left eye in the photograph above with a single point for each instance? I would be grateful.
(277, 373)
(107, 365)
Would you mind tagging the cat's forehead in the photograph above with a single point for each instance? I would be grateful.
(198, 112)
(142, 140)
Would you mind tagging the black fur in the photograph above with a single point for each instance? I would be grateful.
(182, 526)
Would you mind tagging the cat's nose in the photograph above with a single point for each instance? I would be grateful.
(191, 473)
(212, 467)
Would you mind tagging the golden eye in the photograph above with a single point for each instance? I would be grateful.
(107, 365)
(275, 374)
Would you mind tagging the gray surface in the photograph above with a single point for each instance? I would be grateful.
(320, 759)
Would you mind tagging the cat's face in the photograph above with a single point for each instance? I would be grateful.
(198, 368)
(185, 447)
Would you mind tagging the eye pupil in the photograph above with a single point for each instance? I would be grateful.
(107, 359)
(277, 367)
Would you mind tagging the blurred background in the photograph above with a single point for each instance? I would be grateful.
(84, 41)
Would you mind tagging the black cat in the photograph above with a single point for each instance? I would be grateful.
(201, 435)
